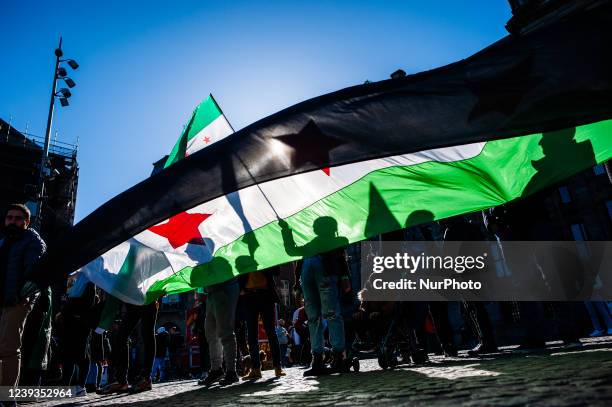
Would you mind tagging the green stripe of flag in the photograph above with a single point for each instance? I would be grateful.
(396, 197)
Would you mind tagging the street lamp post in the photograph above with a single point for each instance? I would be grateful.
(63, 95)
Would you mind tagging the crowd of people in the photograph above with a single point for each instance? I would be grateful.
(90, 336)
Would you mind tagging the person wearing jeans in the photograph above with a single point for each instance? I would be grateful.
(599, 309)
(162, 343)
(322, 301)
(322, 276)
(283, 341)
(221, 303)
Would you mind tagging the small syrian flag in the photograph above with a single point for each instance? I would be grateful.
(206, 126)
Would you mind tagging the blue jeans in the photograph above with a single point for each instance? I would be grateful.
(599, 309)
(283, 349)
(321, 300)
(158, 363)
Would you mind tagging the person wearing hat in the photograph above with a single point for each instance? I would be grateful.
(162, 343)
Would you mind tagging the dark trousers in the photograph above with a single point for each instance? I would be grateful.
(566, 319)
(444, 331)
(76, 350)
(204, 352)
(240, 328)
(260, 303)
(146, 315)
(479, 321)
(532, 317)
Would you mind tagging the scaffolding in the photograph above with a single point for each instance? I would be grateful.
(20, 154)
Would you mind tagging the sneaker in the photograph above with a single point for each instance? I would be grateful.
(253, 374)
(141, 385)
(80, 391)
(229, 378)
(481, 349)
(204, 376)
(278, 372)
(115, 387)
(597, 332)
(211, 377)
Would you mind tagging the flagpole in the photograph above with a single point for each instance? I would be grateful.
(259, 187)
(242, 162)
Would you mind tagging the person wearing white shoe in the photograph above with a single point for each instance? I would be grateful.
(80, 391)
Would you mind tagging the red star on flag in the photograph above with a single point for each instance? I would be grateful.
(181, 229)
(207, 140)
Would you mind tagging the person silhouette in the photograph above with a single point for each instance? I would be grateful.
(421, 237)
(259, 298)
(554, 166)
(527, 219)
(222, 300)
(324, 266)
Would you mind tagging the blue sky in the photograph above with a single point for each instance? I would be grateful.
(146, 64)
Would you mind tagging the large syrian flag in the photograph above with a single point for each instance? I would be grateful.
(520, 115)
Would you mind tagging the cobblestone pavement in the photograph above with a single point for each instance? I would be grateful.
(553, 376)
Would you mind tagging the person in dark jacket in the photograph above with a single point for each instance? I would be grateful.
(97, 357)
(528, 220)
(78, 324)
(143, 315)
(258, 291)
(36, 341)
(459, 229)
(20, 250)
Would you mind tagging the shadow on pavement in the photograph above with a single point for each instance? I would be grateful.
(552, 377)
